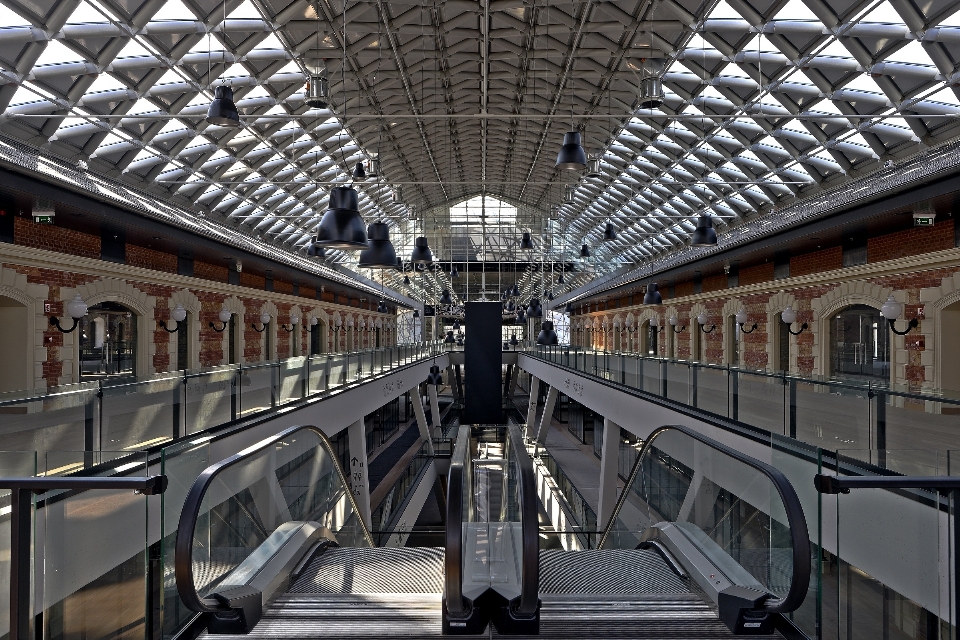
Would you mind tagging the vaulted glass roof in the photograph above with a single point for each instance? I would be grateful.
(767, 103)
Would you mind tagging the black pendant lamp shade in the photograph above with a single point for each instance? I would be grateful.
(513, 340)
(223, 111)
(406, 280)
(549, 295)
(534, 310)
(571, 154)
(520, 317)
(609, 233)
(526, 243)
(359, 173)
(382, 307)
(568, 308)
(315, 250)
(560, 279)
(515, 291)
(511, 306)
(445, 297)
(456, 325)
(652, 296)
(421, 252)
(547, 335)
(704, 235)
(399, 264)
(341, 226)
(449, 339)
(379, 253)
(434, 377)
(584, 251)
(416, 313)
(454, 273)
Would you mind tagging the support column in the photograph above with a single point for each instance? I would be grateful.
(532, 409)
(434, 405)
(453, 386)
(359, 481)
(547, 415)
(513, 382)
(421, 415)
(609, 453)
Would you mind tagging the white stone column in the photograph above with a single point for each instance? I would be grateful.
(434, 405)
(532, 409)
(421, 415)
(609, 453)
(357, 469)
(547, 415)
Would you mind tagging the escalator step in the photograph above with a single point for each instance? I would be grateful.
(626, 571)
(373, 570)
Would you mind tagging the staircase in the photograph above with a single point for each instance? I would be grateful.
(396, 593)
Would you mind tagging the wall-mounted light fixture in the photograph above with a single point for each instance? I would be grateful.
(674, 321)
(178, 315)
(312, 323)
(264, 321)
(741, 319)
(337, 324)
(224, 317)
(892, 310)
(702, 321)
(655, 324)
(76, 309)
(789, 316)
(294, 321)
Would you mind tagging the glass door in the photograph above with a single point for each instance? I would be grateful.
(860, 344)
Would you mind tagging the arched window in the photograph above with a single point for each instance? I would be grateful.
(108, 341)
(859, 344)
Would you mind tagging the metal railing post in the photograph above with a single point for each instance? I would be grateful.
(20, 519)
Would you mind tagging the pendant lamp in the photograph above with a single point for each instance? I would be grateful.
(520, 317)
(315, 250)
(547, 335)
(569, 191)
(568, 308)
(223, 111)
(421, 252)
(516, 291)
(434, 377)
(510, 305)
(456, 325)
(704, 235)
(549, 295)
(652, 296)
(571, 154)
(406, 280)
(397, 196)
(359, 173)
(399, 264)
(416, 313)
(593, 168)
(560, 279)
(341, 226)
(382, 307)
(373, 168)
(445, 297)
(584, 251)
(534, 310)
(651, 93)
(379, 253)
(454, 273)
(609, 233)
(513, 340)
(318, 92)
(526, 244)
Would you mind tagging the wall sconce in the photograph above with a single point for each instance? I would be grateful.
(655, 324)
(892, 310)
(337, 324)
(313, 322)
(224, 319)
(178, 315)
(264, 321)
(702, 321)
(76, 309)
(789, 316)
(673, 324)
(294, 321)
(350, 326)
(741, 319)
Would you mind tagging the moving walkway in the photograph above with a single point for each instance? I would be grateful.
(704, 541)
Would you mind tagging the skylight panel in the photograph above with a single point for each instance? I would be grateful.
(56, 53)
(105, 82)
(10, 18)
(247, 11)
(945, 95)
(883, 13)
(864, 82)
(173, 10)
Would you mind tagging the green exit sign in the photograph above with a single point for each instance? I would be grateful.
(43, 219)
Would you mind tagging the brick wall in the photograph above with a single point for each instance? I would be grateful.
(207, 271)
(816, 262)
(756, 274)
(151, 259)
(53, 238)
(911, 242)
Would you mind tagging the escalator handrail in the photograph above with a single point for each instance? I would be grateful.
(530, 526)
(183, 558)
(453, 547)
(797, 522)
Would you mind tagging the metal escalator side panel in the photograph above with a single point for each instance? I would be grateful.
(529, 524)
(314, 485)
(756, 472)
(458, 511)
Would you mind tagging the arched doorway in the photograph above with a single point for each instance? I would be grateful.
(108, 341)
(859, 344)
(16, 374)
(950, 347)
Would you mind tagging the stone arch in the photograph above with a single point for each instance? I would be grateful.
(296, 336)
(730, 308)
(14, 285)
(323, 323)
(932, 325)
(235, 306)
(268, 337)
(141, 304)
(845, 295)
(670, 344)
(643, 326)
(191, 303)
(337, 331)
(617, 328)
(697, 338)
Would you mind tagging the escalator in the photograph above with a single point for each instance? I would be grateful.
(703, 541)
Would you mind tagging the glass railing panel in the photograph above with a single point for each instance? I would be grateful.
(94, 546)
(723, 506)
(182, 463)
(48, 422)
(760, 400)
(678, 381)
(258, 388)
(141, 415)
(338, 371)
(317, 374)
(650, 372)
(832, 415)
(211, 398)
(292, 480)
(888, 569)
(713, 390)
(631, 371)
(389, 508)
(13, 464)
(292, 379)
(909, 420)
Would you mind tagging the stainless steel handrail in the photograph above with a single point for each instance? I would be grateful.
(453, 551)
(183, 560)
(529, 526)
(796, 521)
